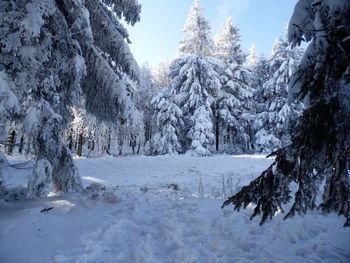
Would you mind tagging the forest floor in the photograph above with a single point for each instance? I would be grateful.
(161, 209)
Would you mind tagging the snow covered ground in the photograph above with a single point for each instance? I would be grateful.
(162, 209)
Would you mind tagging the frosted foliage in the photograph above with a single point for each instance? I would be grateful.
(201, 133)
(275, 115)
(9, 104)
(301, 23)
(109, 36)
(228, 44)
(128, 9)
(252, 58)
(195, 82)
(169, 120)
(234, 109)
(197, 32)
(319, 151)
(233, 106)
(161, 74)
(59, 54)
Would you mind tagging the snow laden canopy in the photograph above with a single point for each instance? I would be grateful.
(228, 44)
(319, 153)
(275, 115)
(233, 107)
(54, 55)
(194, 85)
(197, 40)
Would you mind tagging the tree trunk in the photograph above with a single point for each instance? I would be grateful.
(108, 146)
(217, 127)
(217, 134)
(138, 147)
(28, 145)
(21, 145)
(11, 141)
(70, 139)
(80, 145)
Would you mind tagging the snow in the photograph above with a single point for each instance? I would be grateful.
(137, 216)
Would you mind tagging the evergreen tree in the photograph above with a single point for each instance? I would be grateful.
(161, 74)
(252, 58)
(261, 72)
(147, 89)
(51, 53)
(196, 82)
(169, 121)
(274, 114)
(197, 40)
(228, 45)
(234, 102)
(320, 148)
(9, 104)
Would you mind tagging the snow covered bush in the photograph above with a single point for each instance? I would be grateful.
(53, 55)
(320, 145)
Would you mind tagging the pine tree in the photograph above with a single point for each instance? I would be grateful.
(320, 147)
(147, 89)
(228, 44)
(196, 82)
(161, 74)
(261, 72)
(234, 103)
(169, 121)
(9, 104)
(197, 39)
(51, 53)
(274, 114)
(252, 58)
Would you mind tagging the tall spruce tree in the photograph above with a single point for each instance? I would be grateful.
(320, 147)
(197, 40)
(168, 118)
(53, 55)
(196, 82)
(147, 89)
(275, 115)
(234, 102)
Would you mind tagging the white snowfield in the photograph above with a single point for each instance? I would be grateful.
(154, 209)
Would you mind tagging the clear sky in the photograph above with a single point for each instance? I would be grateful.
(156, 37)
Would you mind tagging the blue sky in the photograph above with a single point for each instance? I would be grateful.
(159, 32)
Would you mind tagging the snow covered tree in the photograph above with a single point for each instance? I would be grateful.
(260, 72)
(197, 40)
(147, 89)
(252, 58)
(228, 44)
(169, 122)
(274, 114)
(51, 53)
(161, 74)
(233, 104)
(319, 153)
(196, 82)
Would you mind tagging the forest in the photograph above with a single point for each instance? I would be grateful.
(88, 132)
